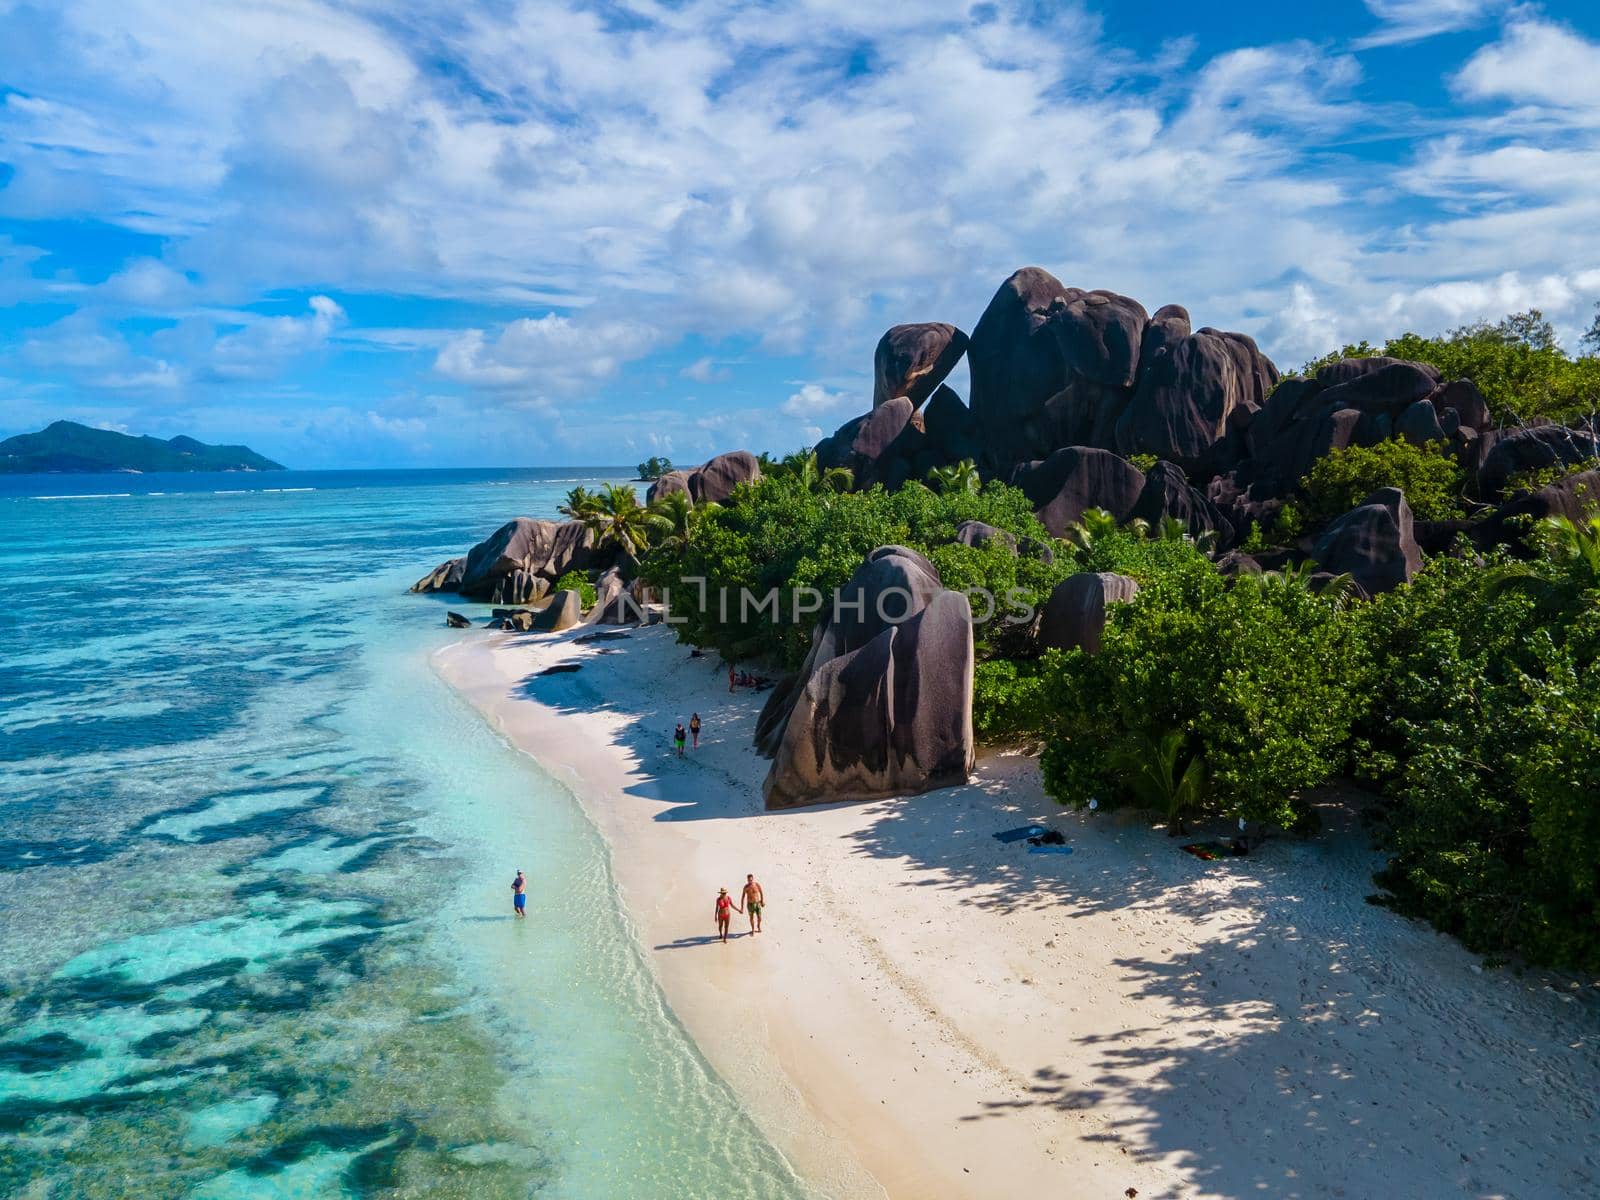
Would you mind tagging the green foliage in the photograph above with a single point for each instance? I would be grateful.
(1127, 551)
(777, 536)
(580, 504)
(1531, 479)
(1143, 461)
(958, 477)
(1485, 733)
(1517, 363)
(1428, 476)
(654, 468)
(801, 470)
(1258, 681)
(1008, 700)
(617, 518)
(1289, 524)
(578, 581)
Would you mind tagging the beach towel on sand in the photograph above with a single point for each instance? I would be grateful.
(1016, 835)
(1049, 849)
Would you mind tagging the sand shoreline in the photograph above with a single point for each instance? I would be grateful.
(935, 1013)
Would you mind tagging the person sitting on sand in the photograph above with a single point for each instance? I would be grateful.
(694, 729)
(754, 900)
(519, 897)
(724, 913)
(730, 677)
(678, 737)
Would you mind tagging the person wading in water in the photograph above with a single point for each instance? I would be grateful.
(519, 897)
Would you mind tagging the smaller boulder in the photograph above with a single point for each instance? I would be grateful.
(1374, 543)
(1534, 449)
(1075, 479)
(456, 621)
(446, 577)
(912, 360)
(563, 612)
(979, 534)
(1074, 616)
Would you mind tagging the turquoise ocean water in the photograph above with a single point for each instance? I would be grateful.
(255, 937)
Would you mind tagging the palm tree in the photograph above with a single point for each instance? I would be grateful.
(580, 504)
(618, 519)
(1568, 562)
(958, 477)
(1301, 576)
(802, 470)
(1095, 523)
(1154, 771)
(675, 518)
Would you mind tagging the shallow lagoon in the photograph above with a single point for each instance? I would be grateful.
(254, 857)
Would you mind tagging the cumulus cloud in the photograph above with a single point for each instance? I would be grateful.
(592, 191)
(552, 354)
(814, 401)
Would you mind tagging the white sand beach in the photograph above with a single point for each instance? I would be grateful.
(933, 1013)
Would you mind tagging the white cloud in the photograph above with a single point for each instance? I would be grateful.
(705, 370)
(814, 401)
(1536, 62)
(550, 354)
(1413, 20)
(603, 188)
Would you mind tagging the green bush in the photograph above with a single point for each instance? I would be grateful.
(1429, 477)
(1484, 732)
(778, 535)
(1261, 680)
(578, 581)
(1009, 700)
(1516, 363)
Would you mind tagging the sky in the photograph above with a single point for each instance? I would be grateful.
(510, 233)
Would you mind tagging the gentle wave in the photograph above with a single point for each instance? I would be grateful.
(86, 496)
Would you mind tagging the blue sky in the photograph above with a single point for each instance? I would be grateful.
(506, 233)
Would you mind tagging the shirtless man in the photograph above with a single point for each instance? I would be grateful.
(753, 900)
(519, 897)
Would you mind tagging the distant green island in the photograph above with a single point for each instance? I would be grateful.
(66, 446)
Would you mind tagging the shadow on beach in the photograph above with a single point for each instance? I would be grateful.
(1297, 1041)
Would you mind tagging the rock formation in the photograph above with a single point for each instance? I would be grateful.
(912, 360)
(506, 567)
(1374, 543)
(883, 703)
(564, 610)
(1075, 614)
(446, 577)
(714, 480)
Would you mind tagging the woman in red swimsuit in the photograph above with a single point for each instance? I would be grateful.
(724, 912)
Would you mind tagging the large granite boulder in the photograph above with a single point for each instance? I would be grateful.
(951, 431)
(1194, 397)
(1075, 479)
(539, 548)
(563, 612)
(666, 484)
(882, 446)
(1508, 525)
(1167, 493)
(882, 705)
(1374, 543)
(446, 577)
(1534, 449)
(913, 360)
(713, 480)
(1074, 616)
(1361, 402)
(1016, 366)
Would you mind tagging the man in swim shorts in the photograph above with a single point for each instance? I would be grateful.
(754, 901)
(519, 895)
